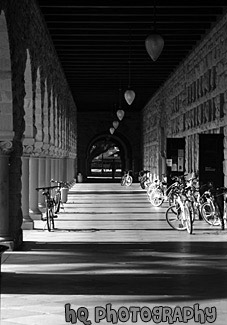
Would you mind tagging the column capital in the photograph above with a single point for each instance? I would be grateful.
(72, 155)
(45, 150)
(28, 149)
(51, 150)
(37, 149)
(6, 147)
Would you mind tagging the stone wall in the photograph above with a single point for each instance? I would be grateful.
(92, 125)
(38, 116)
(191, 102)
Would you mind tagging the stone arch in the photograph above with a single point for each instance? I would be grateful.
(6, 101)
(6, 127)
(123, 144)
(28, 100)
(38, 108)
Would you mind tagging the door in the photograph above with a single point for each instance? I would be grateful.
(211, 156)
(175, 162)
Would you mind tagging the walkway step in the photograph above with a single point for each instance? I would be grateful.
(112, 248)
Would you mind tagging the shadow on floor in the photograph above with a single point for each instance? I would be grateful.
(196, 270)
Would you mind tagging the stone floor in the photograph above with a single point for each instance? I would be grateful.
(112, 249)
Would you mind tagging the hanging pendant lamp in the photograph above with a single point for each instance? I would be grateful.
(129, 94)
(112, 129)
(154, 43)
(115, 124)
(120, 114)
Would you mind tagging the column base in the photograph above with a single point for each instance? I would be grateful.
(35, 214)
(8, 242)
(42, 205)
(27, 224)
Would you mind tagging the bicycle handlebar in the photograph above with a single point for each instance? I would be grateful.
(59, 182)
(45, 188)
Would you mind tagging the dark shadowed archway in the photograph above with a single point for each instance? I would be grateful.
(107, 157)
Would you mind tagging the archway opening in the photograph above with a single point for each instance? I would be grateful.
(105, 159)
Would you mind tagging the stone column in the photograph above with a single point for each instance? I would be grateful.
(4, 194)
(61, 169)
(48, 171)
(56, 170)
(69, 171)
(52, 170)
(27, 221)
(64, 169)
(34, 212)
(41, 181)
(73, 169)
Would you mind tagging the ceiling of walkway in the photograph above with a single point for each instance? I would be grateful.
(95, 40)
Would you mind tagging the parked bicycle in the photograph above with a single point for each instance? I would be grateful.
(58, 194)
(179, 216)
(158, 191)
(193, 204)
(50, 214)
(215, 207)
(144, 178)
(126, 179)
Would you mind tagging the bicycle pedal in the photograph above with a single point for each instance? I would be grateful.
(43, 218)
(55, 216)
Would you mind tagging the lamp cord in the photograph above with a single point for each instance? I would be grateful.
(129, 63)
(154, 25)
(120, 96)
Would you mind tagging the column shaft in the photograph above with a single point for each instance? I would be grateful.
(48, 171)
(69, 170)
(56, 170)
(34, 211)
(52, 170)
(27, 221)
(64, 169)
(41, 181)
(61, 171)
(4, 198)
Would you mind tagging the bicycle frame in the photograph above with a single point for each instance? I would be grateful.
(57, 197)
(126, 179)
(49, 200)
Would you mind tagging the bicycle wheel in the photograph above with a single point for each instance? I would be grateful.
(57, 201)
(142, 185)
(219, 219)
(171, 198)
(187, 217)
(128, 181)
(123, 181)
(174, 217)
(156, 197)
(208, 212)
(50, 219)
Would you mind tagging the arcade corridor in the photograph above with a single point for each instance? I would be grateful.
(65, 68)
(64, 71)
(111, 246)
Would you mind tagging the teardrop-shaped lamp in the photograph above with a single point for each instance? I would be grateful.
(112, 130)
(154, 45)
(115, 124)
(129, 96)
(120, 114)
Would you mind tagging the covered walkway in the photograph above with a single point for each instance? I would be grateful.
(111, 246)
